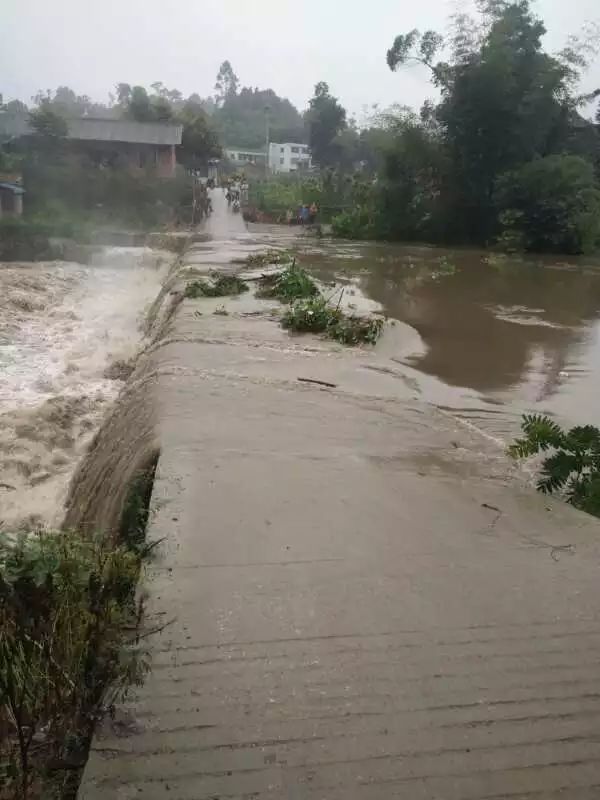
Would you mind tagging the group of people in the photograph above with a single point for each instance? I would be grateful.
(305, 215)
(236, 192)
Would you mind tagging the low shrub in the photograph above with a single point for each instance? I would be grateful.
(21, 240)
(69, 649)
(292, 284)
(355, 223)
(315, 315)
(221, 286)
(572, 468)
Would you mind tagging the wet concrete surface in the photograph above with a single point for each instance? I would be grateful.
(360, 597)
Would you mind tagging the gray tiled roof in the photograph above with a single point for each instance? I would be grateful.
(124, 130)
(102, 130)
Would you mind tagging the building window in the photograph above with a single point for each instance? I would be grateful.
(282, 160)
(295, 150)
(282, 149)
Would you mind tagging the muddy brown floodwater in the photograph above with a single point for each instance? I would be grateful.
(64, 327)
(482, 335)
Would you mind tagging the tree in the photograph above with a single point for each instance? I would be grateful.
(123, 91)
(552, 205)
(47, 124)
(199, 141)
(139, 106)
(241, 119)
(16, 107)
(226, 84)
(504, 102)
(326, 119)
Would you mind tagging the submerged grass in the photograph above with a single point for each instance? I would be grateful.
(294, 283)
(315, 315)
(220, 286)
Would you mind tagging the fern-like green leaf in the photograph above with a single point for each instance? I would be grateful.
(557, 469)
(586, 437)
(542, 431)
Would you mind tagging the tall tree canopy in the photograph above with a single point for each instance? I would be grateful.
(504, 102)
(226, 84)
(243, 117)
(326, 119)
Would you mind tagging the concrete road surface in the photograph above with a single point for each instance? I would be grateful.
(364, 601)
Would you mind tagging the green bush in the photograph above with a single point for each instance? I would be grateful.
(573, 467)
(68, 618)
(317, 316)
(291, 284)
(83, 194)
(551, 205)
(221, 286)
(23, 240)
(356, 223)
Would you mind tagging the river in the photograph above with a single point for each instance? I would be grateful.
(482, 335)
(66, 332)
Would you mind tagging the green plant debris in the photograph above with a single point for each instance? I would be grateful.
(221, 311)
(220, 286)
(315, 315)
(573, 466)
(292, 284)
(268, 257)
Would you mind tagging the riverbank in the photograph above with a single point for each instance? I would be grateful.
(357, 595)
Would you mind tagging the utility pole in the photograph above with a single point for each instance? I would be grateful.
(267, 132)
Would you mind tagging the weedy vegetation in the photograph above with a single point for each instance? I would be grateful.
(292, 284)
(316, 315)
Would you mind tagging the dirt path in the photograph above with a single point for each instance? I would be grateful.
(365, 604)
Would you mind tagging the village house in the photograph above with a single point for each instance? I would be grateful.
(113, 142)
(11, 198)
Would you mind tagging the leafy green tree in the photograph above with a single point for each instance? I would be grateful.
(47, 124)
(326, 119)
(551, 204)
(226, 84)
(139, 106)
(200, 140)
(504, 102)
(123, 93)
(242, 119)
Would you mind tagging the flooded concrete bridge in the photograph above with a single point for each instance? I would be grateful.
(360, 600)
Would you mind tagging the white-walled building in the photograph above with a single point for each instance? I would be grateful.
(241, 156)
(289, 157)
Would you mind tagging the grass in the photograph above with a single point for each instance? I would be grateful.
(268, 257)
(294, 283)
(221, 286)
(315, 315)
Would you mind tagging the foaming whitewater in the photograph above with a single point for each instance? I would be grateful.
(63, 328)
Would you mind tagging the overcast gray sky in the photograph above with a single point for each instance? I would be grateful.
(91, 45)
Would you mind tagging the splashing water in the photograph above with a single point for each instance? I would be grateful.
(62, 326)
